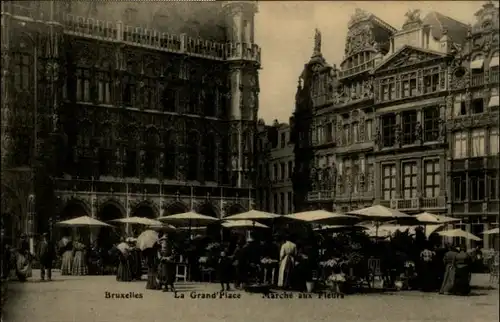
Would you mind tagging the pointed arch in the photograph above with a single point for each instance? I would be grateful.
(234, 209)
(176, 207)
(208, 209)
(75, 207)
(113, 203)
(146, 209)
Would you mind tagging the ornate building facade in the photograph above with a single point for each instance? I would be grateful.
(114, 109)
(379, 129)
(275, 165)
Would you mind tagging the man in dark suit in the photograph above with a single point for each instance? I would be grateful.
(46, 255)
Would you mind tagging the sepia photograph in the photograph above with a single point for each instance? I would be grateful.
(272, 161)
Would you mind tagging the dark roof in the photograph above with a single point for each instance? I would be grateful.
(438, 22)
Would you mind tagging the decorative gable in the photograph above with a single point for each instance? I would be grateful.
(407, 56)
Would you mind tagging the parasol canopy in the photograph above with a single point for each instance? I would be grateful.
(380, 213)
(492, 231)
(83, 221)
(138, 221)
(458, 233)
(147, 239)
(189, 218)
(428, 218)
(253, 215)
(123, 247)
(162, 227)
(338, 228)
(242, 224)
(323, 216)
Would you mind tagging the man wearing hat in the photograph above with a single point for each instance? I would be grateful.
(46, 255)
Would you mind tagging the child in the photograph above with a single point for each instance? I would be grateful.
(336, 281)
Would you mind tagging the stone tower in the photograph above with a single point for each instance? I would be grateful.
(243, 57)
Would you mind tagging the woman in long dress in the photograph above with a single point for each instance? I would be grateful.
(67, 257)
(462, 272)
(79, 267)
(23, 259)
(123, 273)
(426, 274)
(152, 262)
(287, 261)
(449, 273)
(135, 260)
(166, 270)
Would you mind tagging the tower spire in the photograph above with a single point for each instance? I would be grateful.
(317, 43)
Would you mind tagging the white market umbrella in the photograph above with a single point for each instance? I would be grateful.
(428, 218)
(336, 228)
(138, 221)
(162, 227)
(491, 231)
(323, 216)
(242, 224)
(192, 228)
(459, 233)
(83, 221)
(253, 215)
(123, 247)
(147, 239)
(379, 213)
(189, 219)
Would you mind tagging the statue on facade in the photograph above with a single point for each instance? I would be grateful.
(378, 136)
(418, 132)
(412, 16)
(359, 15)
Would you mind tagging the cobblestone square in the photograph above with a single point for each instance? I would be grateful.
(75, 299)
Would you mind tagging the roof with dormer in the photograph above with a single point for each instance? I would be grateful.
(441, 24)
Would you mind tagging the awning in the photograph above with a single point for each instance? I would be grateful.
(494, 61)
(477, 64)
(493, 101)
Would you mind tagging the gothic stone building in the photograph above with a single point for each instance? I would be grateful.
(377, 130)
(275, 165)
(114, 109)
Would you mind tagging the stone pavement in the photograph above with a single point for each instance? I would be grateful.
(75, 299)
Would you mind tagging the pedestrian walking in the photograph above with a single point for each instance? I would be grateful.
(46, 255)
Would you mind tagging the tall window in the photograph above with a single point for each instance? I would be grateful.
(476, 182)
(347, 134)
(459, 107)
(389, 127)
(369, 130)
(193, 158)
(409, 180)
(477, 105)
(282, 203)
(431, 80)
(183, 100)
(409, 126)
(149, 93)
(389, 182)
(369, 176)
(129, 90)
(151, 154)
(459, 187)
(283, 170)
(131, 166)
(290, 202)
(184, 72)
(290, 169)
(478, 145)
(355, 176)
(431, 124)
(494, 141)
(493, 186)
(83, 76)
(329, 132)
(276, 203)
(275, 174)
(106, 155)
(170, 154)
(459, 145)
(409, 87)
(209, 166)
(432, 178)
(169, 100)
(210, 101)
(389, 89)
(104, 84)
(23, 76)
(85, 161)
(355, 132)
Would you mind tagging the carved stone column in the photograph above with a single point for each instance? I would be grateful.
(6, 106)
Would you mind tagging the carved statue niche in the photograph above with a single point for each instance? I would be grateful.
(378, 136)
(399, 135)
(419, 132)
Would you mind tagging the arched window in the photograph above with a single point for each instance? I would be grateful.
(169, 99)
(106, 155)
(150, 89)
(224, 163)
(170, 154)
(209, 166)
(23, 74)
(85, 135)
(209, 102)
(129, 90)
(84, 143)
(152, 140)
(193, 155)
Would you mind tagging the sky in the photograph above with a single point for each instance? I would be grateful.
(285, 30)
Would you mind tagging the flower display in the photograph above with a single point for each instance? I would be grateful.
(203, 259)
(268, 261)
(213, 246)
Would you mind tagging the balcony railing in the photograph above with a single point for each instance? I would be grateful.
(477, 80)
(154, 39)
(358, 69)
(320, 195)
(494, 75)
(415, 204)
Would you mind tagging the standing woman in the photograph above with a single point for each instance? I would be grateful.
(66, 249)
(166, 270)
(151, 256)
(288, 253)
(124, 273)
(426, 274)
(449, 273)
(79, 267)
(463, 263)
